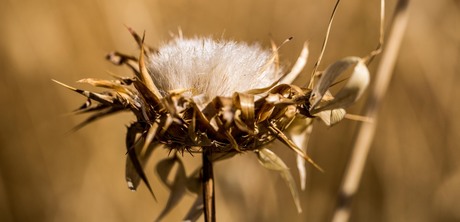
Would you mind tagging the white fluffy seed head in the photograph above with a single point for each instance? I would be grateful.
(212, 68)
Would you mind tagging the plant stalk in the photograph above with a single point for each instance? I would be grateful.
(367, 130)
(208, 187)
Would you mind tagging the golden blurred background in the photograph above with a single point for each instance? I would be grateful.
(50, 174)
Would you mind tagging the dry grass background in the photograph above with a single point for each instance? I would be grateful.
(47, 174)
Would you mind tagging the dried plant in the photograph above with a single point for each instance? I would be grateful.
(219, 98)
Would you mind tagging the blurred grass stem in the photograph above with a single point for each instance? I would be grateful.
(366, 132)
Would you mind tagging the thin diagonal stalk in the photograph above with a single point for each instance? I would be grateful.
(208, 187)
(366, 132)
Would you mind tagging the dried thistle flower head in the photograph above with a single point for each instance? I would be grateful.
(218, 98)
(211, 68)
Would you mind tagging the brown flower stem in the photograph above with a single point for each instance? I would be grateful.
(208, 187)
(367, 130)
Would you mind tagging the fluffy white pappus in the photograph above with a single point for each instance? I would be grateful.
(212, 68)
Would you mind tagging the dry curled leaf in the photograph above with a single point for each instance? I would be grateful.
(133, 157)
(271, 161)
(353, 89)
(298, 66)
(300, 132)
